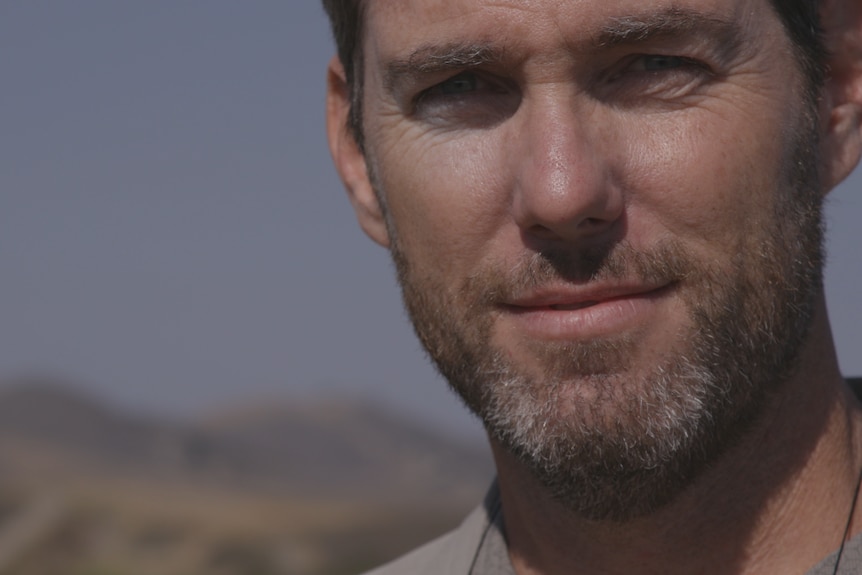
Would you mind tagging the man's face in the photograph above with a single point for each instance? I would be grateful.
(605, 219)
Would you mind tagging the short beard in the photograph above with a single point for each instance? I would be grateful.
(612, 445)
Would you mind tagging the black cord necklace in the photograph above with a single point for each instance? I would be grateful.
(847, 527)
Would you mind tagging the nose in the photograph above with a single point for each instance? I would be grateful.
(565, 188)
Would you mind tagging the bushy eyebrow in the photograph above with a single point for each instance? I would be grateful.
(433, 58)
(673, 22)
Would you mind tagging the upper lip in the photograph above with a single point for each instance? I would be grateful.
(574, 296)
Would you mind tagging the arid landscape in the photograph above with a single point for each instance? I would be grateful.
(307, 489)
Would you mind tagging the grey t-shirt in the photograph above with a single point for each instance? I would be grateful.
(492, 557)
(478, 547)
(851, 560)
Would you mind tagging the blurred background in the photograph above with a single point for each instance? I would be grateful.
(204, 365)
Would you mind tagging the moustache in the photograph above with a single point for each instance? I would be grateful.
(662, 263)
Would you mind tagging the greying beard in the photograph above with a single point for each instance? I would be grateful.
(613, 447)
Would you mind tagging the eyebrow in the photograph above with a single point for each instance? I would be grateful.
(431, 59)
(673, 22)
(436, 58)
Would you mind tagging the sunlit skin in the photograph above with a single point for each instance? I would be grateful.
(496, 130)
(574, 144)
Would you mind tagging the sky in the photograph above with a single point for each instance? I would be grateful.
(173, 237)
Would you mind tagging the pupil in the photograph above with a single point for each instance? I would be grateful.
(661, 62)
(460, 84)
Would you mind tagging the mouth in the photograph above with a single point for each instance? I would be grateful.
(572, 306)
(574, 298)
(583, 312)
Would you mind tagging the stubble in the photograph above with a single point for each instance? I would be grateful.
(608, 442)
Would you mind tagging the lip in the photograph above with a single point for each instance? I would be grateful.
(572, 313)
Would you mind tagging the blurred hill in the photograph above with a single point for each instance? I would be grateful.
(312, 488)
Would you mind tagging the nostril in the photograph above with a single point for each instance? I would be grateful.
(541, 232)
(590, 223)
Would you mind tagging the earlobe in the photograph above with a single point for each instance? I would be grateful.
(842, 142)
(349, 158)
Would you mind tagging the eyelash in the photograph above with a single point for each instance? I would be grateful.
(477, 79)
(631, 80)
(684, 63)
(634, 83)
(487, 100)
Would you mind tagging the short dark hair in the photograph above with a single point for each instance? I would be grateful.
(800, 18)
(346, 18)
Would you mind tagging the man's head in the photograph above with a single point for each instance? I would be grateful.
(605, 217)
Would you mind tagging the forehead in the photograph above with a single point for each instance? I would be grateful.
(393, 25)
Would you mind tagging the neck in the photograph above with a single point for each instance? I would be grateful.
(777, 502)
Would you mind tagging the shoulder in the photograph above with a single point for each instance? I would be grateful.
(424, 560)
(452, 553)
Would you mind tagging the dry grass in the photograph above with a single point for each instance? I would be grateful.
(123, 526)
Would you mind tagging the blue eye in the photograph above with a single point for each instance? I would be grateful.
(647, 79)
(460, 84)
(658, 62)
(469, 99)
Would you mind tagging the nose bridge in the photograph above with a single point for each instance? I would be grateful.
(557, 149)
(564, 187)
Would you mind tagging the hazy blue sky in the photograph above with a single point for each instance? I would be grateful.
(172, 235)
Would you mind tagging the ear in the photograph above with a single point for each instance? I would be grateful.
(349, 158)
(842, 97)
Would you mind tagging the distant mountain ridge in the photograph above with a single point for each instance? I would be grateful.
(321, 449)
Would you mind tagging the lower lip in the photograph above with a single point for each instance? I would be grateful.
(602, 319)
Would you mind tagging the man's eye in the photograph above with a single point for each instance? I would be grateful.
(664, 63)
(460, 84)
(468, 99)
(653, 78)
(654, 63)
(660, 63)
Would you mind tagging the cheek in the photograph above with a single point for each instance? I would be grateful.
(445, 195)
(710, 180)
